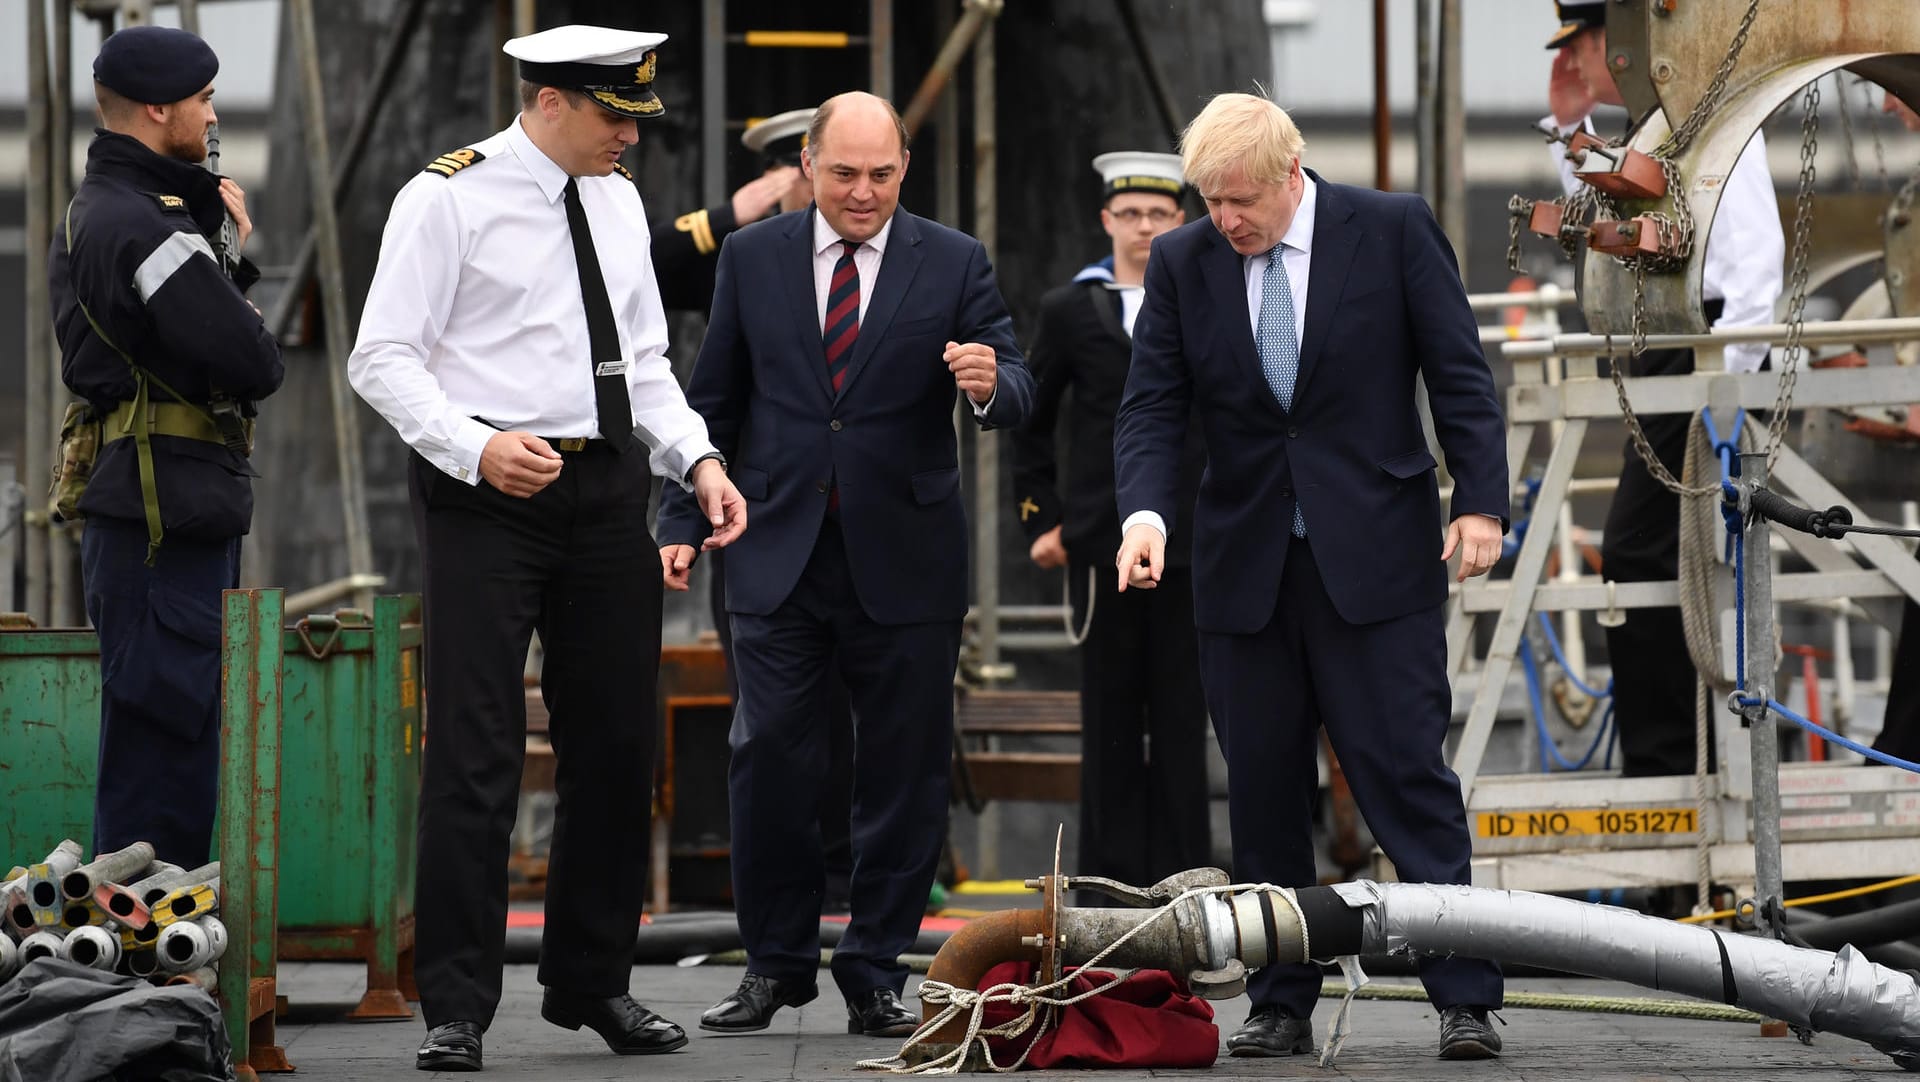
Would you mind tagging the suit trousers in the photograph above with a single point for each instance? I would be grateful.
(1144, 809)
(836, 801)
(571, 561)
(1381, 692)
(1653, 677)
(159, 765)
(900, 679)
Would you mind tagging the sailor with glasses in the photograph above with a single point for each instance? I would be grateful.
(1143, 776)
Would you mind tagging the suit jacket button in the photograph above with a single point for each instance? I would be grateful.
(834, 424)
(821, 488)
(1292, 432)
(1285, 492)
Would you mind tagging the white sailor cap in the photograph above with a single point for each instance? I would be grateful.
(1140, 171)
(1575, 16)
(779, 139)
(612, 67)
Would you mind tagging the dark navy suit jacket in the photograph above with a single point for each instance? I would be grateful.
(886, 440)
(1384, 304)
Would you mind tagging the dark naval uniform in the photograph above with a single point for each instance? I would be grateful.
(1143, 774)
(132, 269)
(686, 251)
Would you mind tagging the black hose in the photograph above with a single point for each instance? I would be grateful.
(1771, 505)
(1874, 927)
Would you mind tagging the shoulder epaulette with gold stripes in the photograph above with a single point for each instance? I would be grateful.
(623, 170)
(454, 160)
(698, 224)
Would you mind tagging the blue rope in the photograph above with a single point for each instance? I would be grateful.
(1829, 735)
(1553, 642)
(1728, 451)
(1549, 751)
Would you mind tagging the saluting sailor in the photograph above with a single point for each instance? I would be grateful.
(514, 338)
(686, 249)
(162, 344)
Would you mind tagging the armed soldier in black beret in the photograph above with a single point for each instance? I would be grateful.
(158, 338)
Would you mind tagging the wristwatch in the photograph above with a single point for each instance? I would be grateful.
(722, 459)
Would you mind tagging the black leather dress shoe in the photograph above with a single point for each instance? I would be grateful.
(751, 1005)
(627, 1027)
(454, 1046)
(1270, 1031)
(880, 1013)
(1465, 1033)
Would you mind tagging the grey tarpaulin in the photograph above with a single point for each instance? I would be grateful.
(62, 1022)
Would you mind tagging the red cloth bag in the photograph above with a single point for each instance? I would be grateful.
(1145, 1021)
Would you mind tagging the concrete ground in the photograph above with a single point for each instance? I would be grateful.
(1391, 1040)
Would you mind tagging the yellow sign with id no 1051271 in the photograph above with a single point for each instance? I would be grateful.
(1557, 822)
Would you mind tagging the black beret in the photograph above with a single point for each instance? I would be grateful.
(155, 65)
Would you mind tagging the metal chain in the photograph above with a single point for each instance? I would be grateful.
(1796, 302)
(1635, 431)
(1518, 208)
(1683, 136)
(1580, 211)
(1802, 241)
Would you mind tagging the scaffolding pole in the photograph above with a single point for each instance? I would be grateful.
(63, 608)
(880, 49)
(333, 303)
(397, 42)
(986, 447)
(38, 366)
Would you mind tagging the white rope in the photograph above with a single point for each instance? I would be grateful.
(1042, 1005)
(1076, 636)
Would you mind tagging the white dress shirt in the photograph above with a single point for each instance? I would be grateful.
(866, 261)
(1130, 298)
(1744, 251)
(826, 253)
(1296, 257)
(475, 311)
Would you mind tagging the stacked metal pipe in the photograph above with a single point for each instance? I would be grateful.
(122, 912)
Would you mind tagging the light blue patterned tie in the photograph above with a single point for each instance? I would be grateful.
(1278, 345)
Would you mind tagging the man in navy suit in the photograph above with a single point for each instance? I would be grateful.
(838, 338)
(1293, 322)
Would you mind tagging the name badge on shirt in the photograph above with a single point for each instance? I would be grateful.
(610, 368)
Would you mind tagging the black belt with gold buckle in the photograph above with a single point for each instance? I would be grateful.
(573, 443)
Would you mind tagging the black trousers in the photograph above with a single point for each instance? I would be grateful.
(1143, 717)
(575, 562)
(159, 765)
(836, 798)
(1900, 733)
(1653, 677)
(1381, 692)
(901, 681)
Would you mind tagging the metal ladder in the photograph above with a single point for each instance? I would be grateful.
(718, 39)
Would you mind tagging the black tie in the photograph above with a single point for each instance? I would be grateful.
(611, 405)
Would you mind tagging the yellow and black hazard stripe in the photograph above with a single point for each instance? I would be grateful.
(454, 160)
(698, 224)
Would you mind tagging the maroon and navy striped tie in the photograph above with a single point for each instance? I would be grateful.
(842, 327)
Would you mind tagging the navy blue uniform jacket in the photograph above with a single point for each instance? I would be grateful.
(141, 264)
(1384, 304)
(887, 440)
